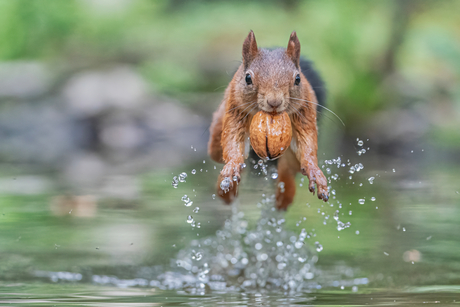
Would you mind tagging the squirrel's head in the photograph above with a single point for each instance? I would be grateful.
(271, 77)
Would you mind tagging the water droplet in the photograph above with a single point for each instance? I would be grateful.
(281, 186)
(187, 201)
(213, 196)
(394, 170)
(318, 246)
(275, 175)
(349, 212)
(225, 184)
(357, 232)
(258, 246)
(371, 180)
(182, 177)
(204, 161)
(196, 209)
(361, 201)
(386, 254)
(190, 219)
(372, 198)
(235, 178)
(360, 143)
(175, 182)
(193, 171)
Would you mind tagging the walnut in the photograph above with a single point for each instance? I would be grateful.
(270, 134)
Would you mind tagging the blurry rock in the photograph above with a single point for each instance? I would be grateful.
(122, 131)
(35, 132)
(79, 206)
(85, 170)
(170, 116)
(101, 124)
(121, 187)
(23, 79)
(396, 125)
(90, 93)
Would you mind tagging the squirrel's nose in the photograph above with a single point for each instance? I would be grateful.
(274, 103)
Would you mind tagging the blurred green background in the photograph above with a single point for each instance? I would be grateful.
(103, 102)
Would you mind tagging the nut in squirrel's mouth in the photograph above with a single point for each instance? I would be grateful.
(274, 111)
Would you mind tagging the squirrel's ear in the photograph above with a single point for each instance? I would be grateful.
(293, 48)
(249, 48)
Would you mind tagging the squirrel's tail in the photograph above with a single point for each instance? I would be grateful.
(315, 80)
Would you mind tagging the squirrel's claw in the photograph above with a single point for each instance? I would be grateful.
(317, 177)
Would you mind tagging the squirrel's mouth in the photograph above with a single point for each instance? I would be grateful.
(273, 110)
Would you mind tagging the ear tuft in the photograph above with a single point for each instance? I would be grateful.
(249, 48)
(293, 48)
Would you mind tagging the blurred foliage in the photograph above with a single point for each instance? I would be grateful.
(373, 54)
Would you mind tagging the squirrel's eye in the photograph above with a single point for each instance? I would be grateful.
(248, 79)
(297, 80)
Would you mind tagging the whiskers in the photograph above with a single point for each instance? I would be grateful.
(242, 105)
(296, 111)
(314, 103)
(251, 106)
(250, 111)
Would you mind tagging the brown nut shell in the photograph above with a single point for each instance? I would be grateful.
(270, 134)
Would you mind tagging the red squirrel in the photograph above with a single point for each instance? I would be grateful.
(273, 81)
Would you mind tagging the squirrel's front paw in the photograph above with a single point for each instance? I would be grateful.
(315, 175)
(232, 172)
(227, 183)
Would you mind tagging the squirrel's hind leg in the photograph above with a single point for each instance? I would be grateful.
(288, 166)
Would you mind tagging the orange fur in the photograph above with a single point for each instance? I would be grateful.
(272, 89)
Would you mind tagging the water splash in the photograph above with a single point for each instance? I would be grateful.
(266, 256)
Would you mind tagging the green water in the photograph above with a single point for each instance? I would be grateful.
(403, 241)
(78, 295)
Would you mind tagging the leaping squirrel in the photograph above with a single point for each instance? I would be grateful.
(274, 81)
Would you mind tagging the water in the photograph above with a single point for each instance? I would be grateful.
(82, 295)
(400, 247)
